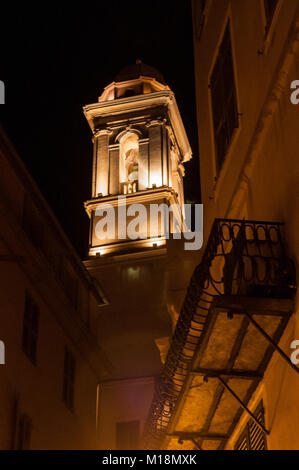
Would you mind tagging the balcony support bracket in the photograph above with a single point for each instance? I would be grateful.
(230, 390)
(270, 340)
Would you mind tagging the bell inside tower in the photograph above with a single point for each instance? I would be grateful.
(129, 151)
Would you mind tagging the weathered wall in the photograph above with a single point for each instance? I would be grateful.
(260, 177)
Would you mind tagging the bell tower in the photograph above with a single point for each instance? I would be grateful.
(139, 147)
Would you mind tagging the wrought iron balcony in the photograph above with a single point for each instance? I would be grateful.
(245, 283)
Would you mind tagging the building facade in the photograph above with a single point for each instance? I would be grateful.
(51, 362)
(230, 379)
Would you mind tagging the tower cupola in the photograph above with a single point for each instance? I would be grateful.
(132, 80)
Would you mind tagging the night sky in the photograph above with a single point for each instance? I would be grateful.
(57, 58)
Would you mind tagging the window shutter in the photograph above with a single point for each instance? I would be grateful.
(253, 437)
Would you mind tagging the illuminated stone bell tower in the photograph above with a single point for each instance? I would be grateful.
(139, 147)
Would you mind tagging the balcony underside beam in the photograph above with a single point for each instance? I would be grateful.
(229, 373)
(189, 436)
(256, 305)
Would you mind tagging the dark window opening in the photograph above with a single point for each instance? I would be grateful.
(127, 435)
(30, 328)
(224, 101)
(32, 225)
(129, 92)
(68, 380)
(270, 7)
(24, 433)
(199, 16)
(70, 284)
(253, 437)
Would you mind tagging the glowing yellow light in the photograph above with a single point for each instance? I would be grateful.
(100, 252)
(157, 243)
(155, 179)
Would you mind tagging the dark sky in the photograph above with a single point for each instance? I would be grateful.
(57, 58)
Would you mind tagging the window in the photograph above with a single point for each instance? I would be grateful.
(127, 435)
(31, 224)
(68, 379)
(129, 150)
(24, 432)
(30, 328)
(270, 7)
(129, 92)
(253, 437)
(70, 283)
(199, 17)
(224, 102)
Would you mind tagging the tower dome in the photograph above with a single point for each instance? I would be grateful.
(137, 70)
(134, 79)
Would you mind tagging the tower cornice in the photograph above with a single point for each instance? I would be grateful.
(104, 131)
(156, 122)
(143, 102)
(137, 198)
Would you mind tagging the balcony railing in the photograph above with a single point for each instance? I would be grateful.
(242, 259)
